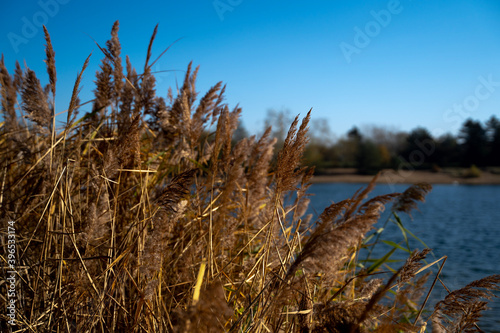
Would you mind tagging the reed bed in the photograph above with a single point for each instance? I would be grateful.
(144, 215)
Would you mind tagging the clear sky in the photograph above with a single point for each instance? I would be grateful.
(400, 64)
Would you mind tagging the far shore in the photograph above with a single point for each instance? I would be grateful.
(348, 175)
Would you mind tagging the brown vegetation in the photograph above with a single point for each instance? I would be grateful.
(143, 216)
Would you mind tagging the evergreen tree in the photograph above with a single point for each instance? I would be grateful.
(493, 135)
(473, 143)
(447, 151)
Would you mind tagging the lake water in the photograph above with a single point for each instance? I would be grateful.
(459, 221)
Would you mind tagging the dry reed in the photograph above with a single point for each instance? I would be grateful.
(141, 216)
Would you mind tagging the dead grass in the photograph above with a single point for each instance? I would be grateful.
(135, 217)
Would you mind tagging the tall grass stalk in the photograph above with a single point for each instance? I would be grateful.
(144, 215)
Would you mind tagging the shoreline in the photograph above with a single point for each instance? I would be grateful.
(348, 175)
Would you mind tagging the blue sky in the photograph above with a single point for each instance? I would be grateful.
(399, 64)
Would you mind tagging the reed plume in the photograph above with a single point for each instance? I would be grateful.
(460, 310)
(75, 101)
(8, 91)
(35, 102)
(153, 217)
(50, 62)
(408, 200)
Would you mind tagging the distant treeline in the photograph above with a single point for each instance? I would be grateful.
(377, 148)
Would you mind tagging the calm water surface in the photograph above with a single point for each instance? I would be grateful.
(459, 221)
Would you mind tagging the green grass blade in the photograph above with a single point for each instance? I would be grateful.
(380, 261)
(393, 244)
